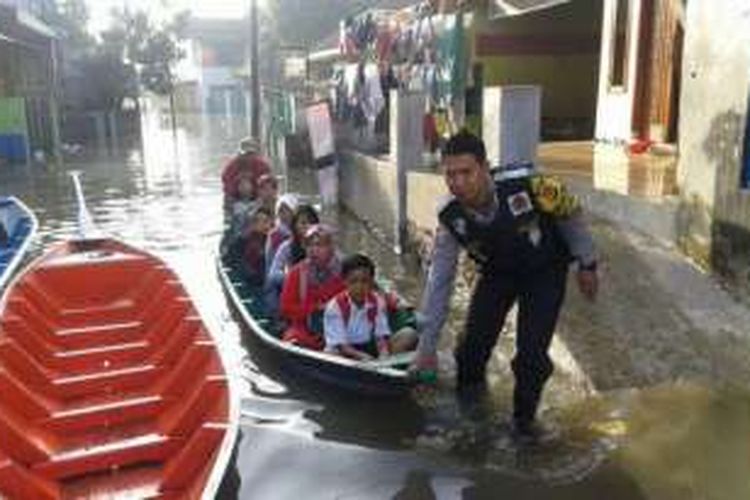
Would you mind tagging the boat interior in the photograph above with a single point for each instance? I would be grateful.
(112, 387)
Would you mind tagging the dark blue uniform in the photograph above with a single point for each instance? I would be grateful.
(523, 256)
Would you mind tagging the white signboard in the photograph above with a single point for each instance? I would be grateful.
(321, 132)
(323, 149)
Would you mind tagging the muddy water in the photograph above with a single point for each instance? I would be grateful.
(623, 424)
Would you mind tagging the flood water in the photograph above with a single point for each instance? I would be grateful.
(615, 438)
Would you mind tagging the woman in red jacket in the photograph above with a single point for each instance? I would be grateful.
(308, 286)
(248, 162)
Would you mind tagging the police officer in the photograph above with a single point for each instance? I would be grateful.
(523, 230)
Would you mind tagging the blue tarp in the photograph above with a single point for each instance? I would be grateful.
(13, 148)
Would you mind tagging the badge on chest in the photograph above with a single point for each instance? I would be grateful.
(520, 203)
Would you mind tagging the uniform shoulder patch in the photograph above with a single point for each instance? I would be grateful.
(552, 197)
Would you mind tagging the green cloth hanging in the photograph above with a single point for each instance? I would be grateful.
(12, 115)
(451, 59)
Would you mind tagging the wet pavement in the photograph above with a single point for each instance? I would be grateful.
(648, 400)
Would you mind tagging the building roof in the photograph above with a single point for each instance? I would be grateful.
(508, 8)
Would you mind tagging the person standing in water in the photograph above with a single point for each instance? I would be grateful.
(523, 230)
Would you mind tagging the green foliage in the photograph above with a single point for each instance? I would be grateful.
(73, 17)
(152, 49)
(100, 74)
(94, 75)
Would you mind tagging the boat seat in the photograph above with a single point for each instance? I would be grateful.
(15, 330)
(23, 366)
(138, 449)
(86, 337)
(187, 413)
(98, 358)
(17, 481)
(182, 468)
(93, 259)
(24, 443)
(107, 382)
(22, 399)
(56, 359)
(65, 387)
(170, 350)
(108, 414)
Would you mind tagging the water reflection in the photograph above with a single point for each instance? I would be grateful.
(302, 440)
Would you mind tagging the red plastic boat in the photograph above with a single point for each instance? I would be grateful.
(112, 386)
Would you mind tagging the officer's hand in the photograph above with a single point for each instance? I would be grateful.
(424, 368)
(588, 284)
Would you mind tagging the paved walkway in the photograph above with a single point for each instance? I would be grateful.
(658, 318)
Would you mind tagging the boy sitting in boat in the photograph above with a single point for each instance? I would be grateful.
(356, 323)
(249, 247)
(308, 286)
(3, 235)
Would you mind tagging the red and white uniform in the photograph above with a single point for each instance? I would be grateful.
(345, 322)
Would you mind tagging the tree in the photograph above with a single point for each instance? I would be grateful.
(72, 19)
(95, 76)
(154, 50)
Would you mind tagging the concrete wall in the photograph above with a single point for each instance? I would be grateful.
(614, 114)
(713, 120)
(557, 49)
(367, 187)
(425, 193)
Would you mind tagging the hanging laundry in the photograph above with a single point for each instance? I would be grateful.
(372, 95)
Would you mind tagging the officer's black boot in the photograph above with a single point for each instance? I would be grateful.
(525, 404)
(527, 393)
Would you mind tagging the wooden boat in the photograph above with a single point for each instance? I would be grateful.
(113, 386)
(387, 377)
(18, 225)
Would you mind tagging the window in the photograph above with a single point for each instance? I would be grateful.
(618, 68)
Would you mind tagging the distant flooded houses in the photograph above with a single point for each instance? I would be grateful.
(29, 86)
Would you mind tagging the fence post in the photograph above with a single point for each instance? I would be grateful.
(407, 146)
(511, 123)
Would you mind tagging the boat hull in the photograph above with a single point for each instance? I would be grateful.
(19, 225)
(114, 385)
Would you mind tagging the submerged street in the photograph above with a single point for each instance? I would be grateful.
(648, 400)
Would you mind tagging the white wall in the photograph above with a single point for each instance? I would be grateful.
(713, 103)
(614, 112)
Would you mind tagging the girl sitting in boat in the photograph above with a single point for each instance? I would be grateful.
(356, 321)
(308, 286)
(286, 205)
(289, 253)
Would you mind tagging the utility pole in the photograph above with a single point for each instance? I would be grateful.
(54, 101)
(254, 76)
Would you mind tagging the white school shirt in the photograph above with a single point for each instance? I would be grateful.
(359, 330)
